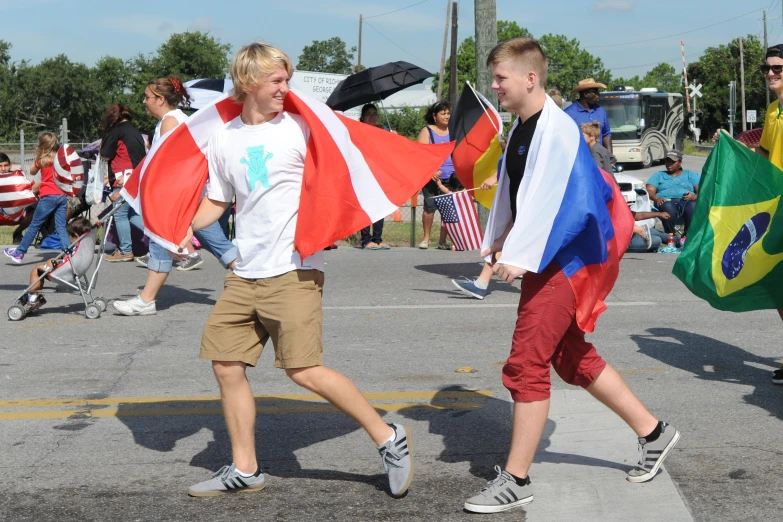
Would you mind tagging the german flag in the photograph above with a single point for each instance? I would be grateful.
(475, 125)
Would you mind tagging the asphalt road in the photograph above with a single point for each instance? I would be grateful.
(112, 419)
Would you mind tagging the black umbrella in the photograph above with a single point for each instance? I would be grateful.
(375, 84)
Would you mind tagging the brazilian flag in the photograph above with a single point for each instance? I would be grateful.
(733, 257)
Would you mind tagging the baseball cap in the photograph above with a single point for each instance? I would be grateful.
(674, 155)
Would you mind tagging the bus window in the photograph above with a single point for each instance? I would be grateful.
(656, 114)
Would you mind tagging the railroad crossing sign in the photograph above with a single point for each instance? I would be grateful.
(695, 90)
(750, 116)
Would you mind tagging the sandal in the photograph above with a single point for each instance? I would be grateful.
(424, 244)
(383, 246)
(443, 246)
(370, 246)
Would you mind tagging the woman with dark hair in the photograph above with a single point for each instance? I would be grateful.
(123, 147)
(372, 241)
(437, 131)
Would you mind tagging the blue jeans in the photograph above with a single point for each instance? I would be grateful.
(123, 219)
(47, 205)
(211, 238)
(638, 244)
(214, 240)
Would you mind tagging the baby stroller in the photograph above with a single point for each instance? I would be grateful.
(70, 269)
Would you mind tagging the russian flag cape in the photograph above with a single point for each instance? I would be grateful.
(569, 212)
(354, 174)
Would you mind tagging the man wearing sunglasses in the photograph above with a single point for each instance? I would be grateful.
(586, 109)
(771, 143)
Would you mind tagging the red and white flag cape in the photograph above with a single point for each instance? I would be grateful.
(16, 194)
(354, 174)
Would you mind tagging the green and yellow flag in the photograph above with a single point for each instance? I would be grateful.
(733, 257)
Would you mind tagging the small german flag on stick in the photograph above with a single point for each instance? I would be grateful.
(476, 127)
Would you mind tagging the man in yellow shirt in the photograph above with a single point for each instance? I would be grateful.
(771, 144)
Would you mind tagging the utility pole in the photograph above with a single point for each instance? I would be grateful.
(359, 59)
(766, 46)
(453, 80)
(742, 84)
(443, 53)
(486, 40)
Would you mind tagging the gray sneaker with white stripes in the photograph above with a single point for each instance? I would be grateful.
(227, 480)
(501, 494)
(652, 454)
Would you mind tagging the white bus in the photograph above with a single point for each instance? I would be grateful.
(645, 124)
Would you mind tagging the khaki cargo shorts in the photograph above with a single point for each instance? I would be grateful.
(285, 308)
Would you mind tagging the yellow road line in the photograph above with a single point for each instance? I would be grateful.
(166, 412)
(372, 396)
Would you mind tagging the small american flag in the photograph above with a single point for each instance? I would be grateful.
(458, 213)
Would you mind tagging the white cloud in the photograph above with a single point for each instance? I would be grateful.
(157, 28)
(406, 20)
(614, 5)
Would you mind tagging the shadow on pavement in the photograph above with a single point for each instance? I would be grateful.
(279, 436)
(482, 436)
(460, 270)
(713, 360)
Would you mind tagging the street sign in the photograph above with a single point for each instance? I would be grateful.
(750, 116)
(695, 90)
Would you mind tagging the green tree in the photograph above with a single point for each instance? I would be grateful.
(328, 56)
(715, 69)
(568, 63)
(191, 55)
(663, 77)
(405, 121)
(466, 54)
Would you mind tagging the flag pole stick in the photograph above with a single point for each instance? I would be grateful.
(385, 114)
(456, 192)
(483, 107)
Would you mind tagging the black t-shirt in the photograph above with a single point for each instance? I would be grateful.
(516, 157)
(124, 147)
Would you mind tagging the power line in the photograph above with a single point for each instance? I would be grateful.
(672, 35)
(396, 10)
(398, 46)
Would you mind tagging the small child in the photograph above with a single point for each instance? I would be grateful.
(52, 199)
(62, 268)
(592, 134)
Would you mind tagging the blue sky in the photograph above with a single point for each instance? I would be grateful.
(36, 27)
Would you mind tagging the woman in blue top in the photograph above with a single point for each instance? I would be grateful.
(674, 191)
(437, 131)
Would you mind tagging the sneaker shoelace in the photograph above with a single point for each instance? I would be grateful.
(642, 454)
(496, 483)
(390, 458)
(223, 472)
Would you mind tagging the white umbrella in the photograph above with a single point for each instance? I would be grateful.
(204, 91)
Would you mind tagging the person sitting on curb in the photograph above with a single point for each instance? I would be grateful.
(674, 191)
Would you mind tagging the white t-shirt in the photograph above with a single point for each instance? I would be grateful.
(263, 166)
(177, 114)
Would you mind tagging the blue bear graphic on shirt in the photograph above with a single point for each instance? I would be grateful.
(257, 171)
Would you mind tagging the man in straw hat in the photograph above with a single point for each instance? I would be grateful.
(586, 109)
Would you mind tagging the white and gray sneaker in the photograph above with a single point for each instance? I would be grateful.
(652, 454)
(228, 480)
(501, 494)
(135, 306)
(189, 263)
(143, 260)
(398, 460)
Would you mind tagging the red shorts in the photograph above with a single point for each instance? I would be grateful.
(547, 335)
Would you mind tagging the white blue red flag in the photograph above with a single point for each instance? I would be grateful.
(458, 214)
(16, 194)
(354, 174)
(68, 171)
(569, 212)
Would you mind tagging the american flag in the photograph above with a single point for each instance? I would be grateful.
(458, 213)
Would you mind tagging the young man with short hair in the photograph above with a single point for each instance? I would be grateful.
(259, 157)
(771, 143)
(547, 331)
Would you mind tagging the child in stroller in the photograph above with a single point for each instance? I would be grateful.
(65, 268)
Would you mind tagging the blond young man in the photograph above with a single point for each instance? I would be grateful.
(259, 157)
(771, 143)
(551, 339)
